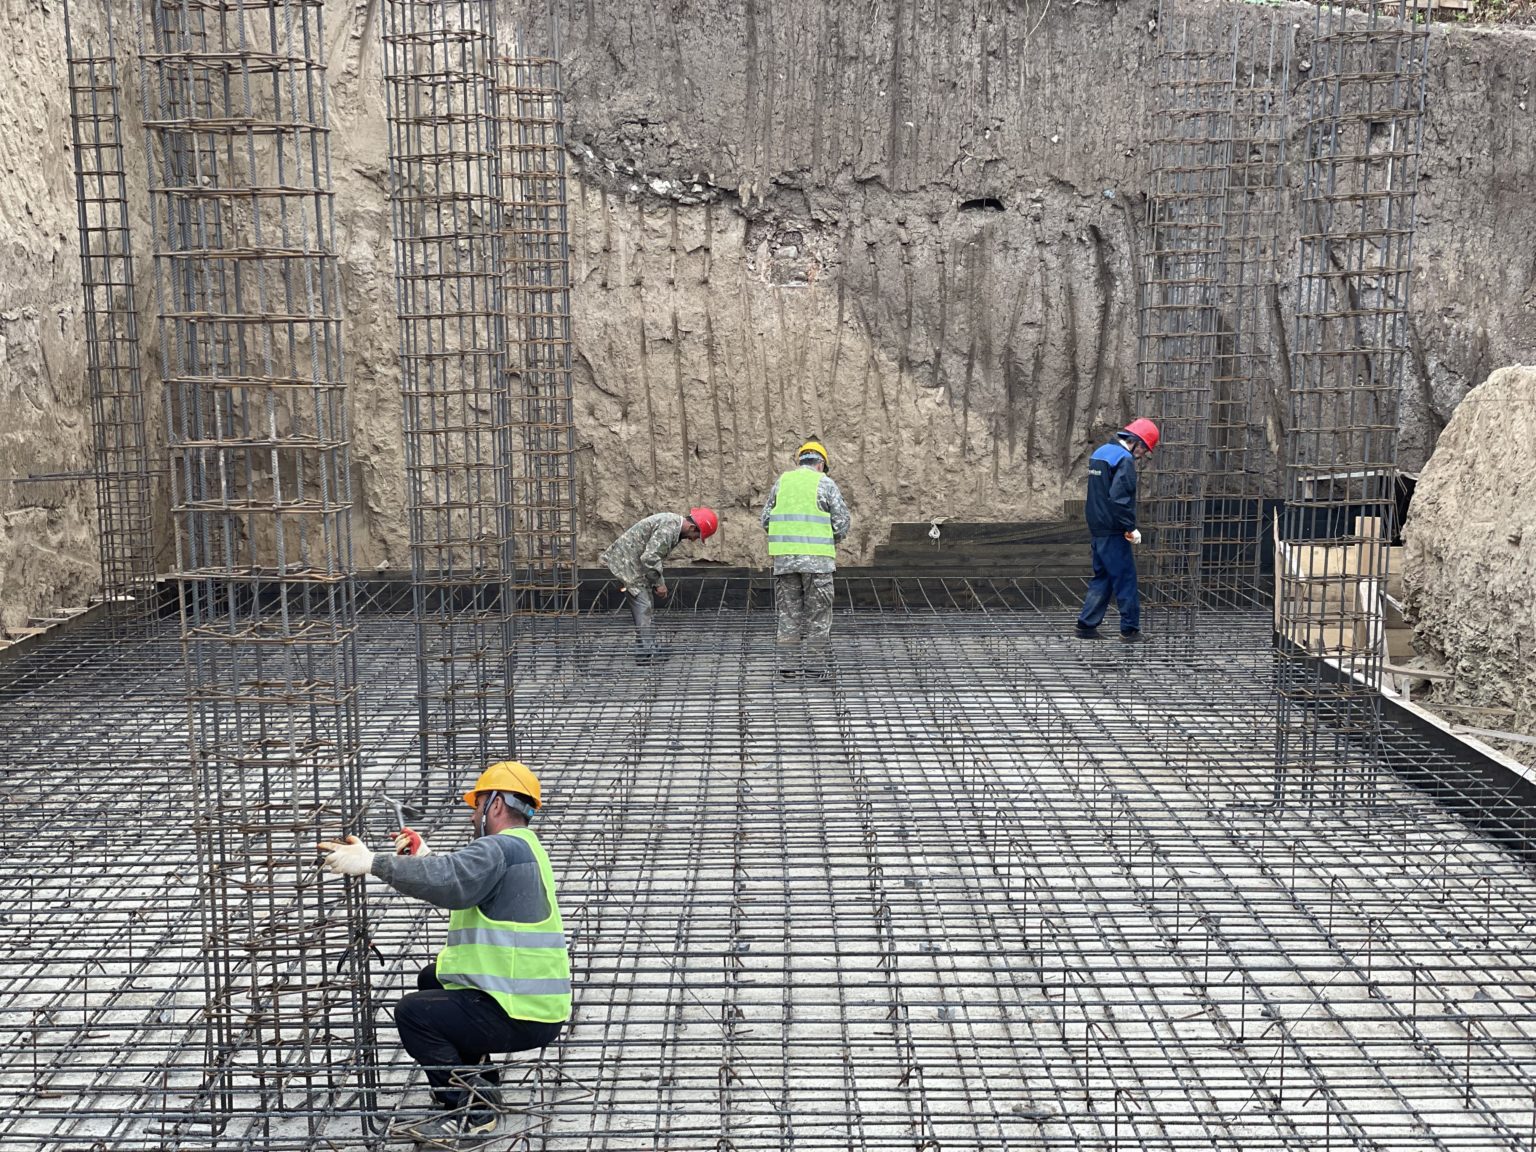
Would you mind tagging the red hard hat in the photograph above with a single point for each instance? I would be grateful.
(707, 521)
(1145, 431)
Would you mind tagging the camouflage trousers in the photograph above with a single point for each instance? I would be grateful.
(803, 601)
(642, 605)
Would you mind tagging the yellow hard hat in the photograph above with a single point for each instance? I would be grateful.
(506, 776)
(816, 447)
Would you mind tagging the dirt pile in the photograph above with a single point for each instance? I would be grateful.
(1470, 563)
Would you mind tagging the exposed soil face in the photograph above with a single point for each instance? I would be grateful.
(910, 229)
(1470, 564)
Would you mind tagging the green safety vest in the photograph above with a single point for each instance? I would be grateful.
(797, 526)
(524, 966)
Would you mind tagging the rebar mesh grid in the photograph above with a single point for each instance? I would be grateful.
(1244, 419)
(439, 78)
(1191, 135)
(537, 295)
(258, 440)
(987, 888)
(119, 445)
(1365, 108)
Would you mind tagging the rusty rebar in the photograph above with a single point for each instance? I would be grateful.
(449, 272)
(258, 438)
(1365, 93)
(119, 436)
(537, 297)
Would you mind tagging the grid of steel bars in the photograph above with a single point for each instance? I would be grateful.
(440, 85)
(120, 449)
(1365, 107)
(256, 406)
(1179, 309)
(537, 296)
(987, 889)
(1244, 411)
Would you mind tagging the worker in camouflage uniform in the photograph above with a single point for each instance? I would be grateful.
(635, 561)
(806, 518)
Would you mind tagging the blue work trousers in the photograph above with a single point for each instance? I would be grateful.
(1114, 570)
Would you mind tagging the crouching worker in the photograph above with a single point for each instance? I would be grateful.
(502, 982)
(635, 561)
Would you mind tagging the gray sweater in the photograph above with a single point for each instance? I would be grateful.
(498, 873)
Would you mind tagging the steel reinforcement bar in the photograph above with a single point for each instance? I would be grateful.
(537, 297)
(440, 84)
(1179, 308)
(1246, 422)
(237, 130)
(120, 448)
(985, 888)
(1365, 94)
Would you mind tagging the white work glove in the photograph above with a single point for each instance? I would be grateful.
(349, 858)
(415, 841)
(1134, 535)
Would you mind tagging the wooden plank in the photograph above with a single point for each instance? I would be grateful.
(1395, 572)
(1444, 706)
(1493, 734)
(1417, 673)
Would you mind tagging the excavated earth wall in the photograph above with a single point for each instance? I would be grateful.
(908, 227)
(1469, 569)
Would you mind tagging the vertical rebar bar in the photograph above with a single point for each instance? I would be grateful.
(1191, 137)
(537, 296)
(1243, 422)
(241, 212)
(120, 451)
(1365, 103)
(441, 93)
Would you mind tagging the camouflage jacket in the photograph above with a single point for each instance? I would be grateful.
(829, 499)
(636, 556)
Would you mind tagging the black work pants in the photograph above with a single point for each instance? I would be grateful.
(449, 1031)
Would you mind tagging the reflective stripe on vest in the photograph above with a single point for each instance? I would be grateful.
(506, 938)
(525, 967)
(796, 524)
(493, 984)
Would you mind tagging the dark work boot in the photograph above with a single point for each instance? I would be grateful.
(460, 1128)
(1086, 633)
(484, 1091)
(1133, 637)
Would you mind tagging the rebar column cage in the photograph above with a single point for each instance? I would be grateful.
(1244, 424)
(440, 84)
(257, 433)
(119, 444)
(1191, 137)
(1365, 103)
(537, 296)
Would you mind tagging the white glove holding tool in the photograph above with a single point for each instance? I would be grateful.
(1134, 535)
(348, 858)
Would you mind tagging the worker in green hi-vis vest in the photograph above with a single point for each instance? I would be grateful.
(502, 982)
(806, 518)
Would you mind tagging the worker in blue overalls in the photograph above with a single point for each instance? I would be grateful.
(1111, 514)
